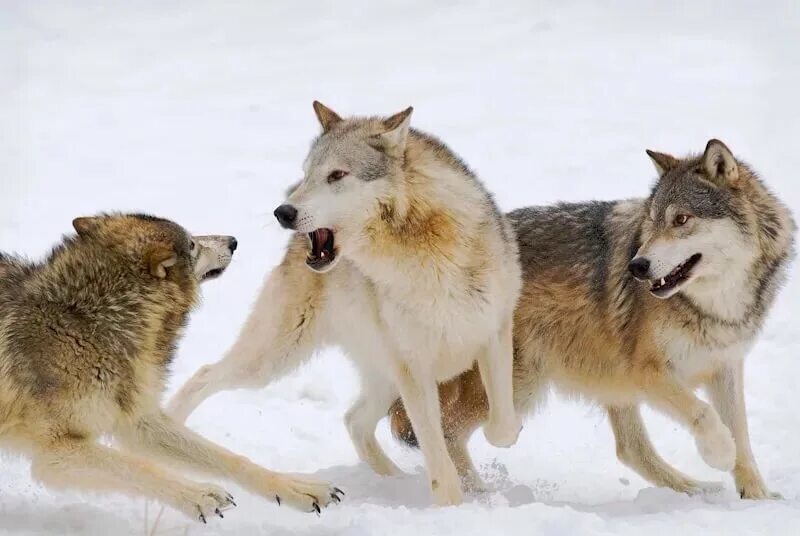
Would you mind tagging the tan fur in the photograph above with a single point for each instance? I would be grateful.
(623, 346)
(423, 282)
(86, 339)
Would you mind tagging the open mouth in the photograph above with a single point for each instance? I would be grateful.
(212, 274)
(665, 286)
(323, 251)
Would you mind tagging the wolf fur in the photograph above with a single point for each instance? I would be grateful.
(86, 340)
(586, 325)
(414, 274)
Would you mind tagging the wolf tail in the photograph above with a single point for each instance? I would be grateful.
(400, 424)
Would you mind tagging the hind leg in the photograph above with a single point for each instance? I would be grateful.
(635, 451)
(726, 390)
(277, 337)
(496, 364)
(377, 395)
(470, 478)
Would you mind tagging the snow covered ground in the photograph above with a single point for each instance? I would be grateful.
(201, 111)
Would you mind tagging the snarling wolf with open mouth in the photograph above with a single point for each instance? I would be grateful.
(86, 340)
(642, 301)
(413, 272)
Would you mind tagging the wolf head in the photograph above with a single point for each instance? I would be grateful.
(162, 248)
(698, 225)
(353, 165)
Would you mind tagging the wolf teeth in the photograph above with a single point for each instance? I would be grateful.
(662, 282)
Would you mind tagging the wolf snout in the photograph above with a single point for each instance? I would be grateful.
(232, 243)
(286, 215)
(639, 267)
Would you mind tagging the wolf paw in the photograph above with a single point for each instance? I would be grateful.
(202, 501)
(473, 483)
(752, 487)
(502, 434)
(694, 488)
(447, 493)
(307, 495)
(717, 448)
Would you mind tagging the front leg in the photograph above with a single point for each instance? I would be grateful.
(496, 368)
(420, 395)
(713, 439)
(726, 390)
(158, 436)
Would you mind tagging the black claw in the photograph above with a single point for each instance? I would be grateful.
(230, 499)
(202, 518)
(219, 513)
(335, 498)
(278, 500)
(316, 508)
(337, 490)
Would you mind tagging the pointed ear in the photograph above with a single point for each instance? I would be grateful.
(84, 226)
(393, 139)
(158, 259)
(662, 161)
(720, 165)
(327, 117)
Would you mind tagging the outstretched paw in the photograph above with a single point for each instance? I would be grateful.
(203, 501)
(307, 495)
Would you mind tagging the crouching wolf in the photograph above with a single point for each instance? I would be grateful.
(642, 301)
(86, 339)
(413, 272)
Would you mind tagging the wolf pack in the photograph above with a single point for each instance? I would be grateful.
(456, 315)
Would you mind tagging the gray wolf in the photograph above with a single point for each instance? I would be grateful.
(86, 340)
(402, 259)
(642, 301)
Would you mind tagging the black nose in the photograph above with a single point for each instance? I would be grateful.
(286, 215)
(233, 244)
(639, 267)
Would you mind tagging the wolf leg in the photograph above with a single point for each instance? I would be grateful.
(159, 436)
(420, 395)
(276, 338)
(713, 439)
(503, 426)
(377, 395)
(79, 464)
(636, 452)
(459, 453)
(726, 390)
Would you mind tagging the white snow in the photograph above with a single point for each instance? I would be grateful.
(201, 111)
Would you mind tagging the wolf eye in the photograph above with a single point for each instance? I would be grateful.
(336, 175)
(680, 220)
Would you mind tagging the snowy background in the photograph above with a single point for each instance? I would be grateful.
(201, 112)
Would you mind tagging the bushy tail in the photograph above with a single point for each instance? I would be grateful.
(401, 424)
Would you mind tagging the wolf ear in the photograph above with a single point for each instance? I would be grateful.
(393, 138)
(327, 117)
(158, 259)
(84, 226)
(720, 165)
(662, 161)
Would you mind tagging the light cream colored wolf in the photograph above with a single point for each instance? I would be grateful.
(413, 272)
(710, 246)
